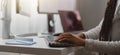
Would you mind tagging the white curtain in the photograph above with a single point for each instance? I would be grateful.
(1, 15)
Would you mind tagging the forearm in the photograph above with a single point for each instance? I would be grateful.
(109, 47)
(93, 33)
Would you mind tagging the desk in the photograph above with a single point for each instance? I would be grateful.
(40, 48)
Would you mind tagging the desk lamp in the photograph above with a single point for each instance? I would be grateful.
(49, 7)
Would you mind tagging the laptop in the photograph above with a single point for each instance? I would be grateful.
(71, 22)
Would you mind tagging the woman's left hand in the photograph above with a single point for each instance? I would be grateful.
(71, 38)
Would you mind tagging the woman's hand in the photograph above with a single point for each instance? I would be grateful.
(71, 38)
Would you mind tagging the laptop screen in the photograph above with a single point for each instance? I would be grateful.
(71, 21)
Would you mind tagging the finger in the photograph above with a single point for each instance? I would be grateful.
(64, 35)
(63, 39)
(59, 38)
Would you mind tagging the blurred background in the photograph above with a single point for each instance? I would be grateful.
(29, 16)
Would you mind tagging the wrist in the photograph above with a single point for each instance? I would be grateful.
(80, 42)
(83, 42)
(82, 35)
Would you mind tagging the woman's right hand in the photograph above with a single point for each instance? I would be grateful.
(71, 38)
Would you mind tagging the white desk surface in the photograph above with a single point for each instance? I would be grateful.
(40, 48)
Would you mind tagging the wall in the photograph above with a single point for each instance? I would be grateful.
(92, 12)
